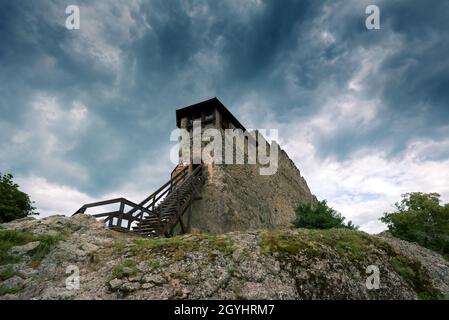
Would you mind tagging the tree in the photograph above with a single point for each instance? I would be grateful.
(320, 216)
(14, 204)
(420, 218)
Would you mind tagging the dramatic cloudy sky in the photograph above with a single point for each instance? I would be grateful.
(86, 114)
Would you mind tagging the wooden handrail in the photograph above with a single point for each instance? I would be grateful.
(148, 205)
(181, 209)
(163, 186)
(159, 193)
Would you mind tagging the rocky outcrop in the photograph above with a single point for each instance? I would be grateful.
(41, 259)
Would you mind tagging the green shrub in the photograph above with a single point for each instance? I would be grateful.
(420, 218)
(14, 204)
(320, 216)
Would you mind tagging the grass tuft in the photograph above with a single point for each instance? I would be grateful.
(12, 238)
(4, 290)
(119, 270)
(8, 273)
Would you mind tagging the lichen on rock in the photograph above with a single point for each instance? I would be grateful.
(258, 264)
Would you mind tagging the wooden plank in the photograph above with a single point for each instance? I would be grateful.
(181, 223)
(120, 216)
(103, 203)
(106, 214)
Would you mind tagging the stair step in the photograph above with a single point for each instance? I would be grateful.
(168, 208)
(145, 230)
(146, 222)
(152, 223)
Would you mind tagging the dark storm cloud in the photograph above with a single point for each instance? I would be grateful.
(422, 67)
(412, 82)
(175, 53)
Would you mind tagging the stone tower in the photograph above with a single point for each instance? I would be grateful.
(236, 196)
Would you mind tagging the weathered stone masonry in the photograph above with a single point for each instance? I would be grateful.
(236, 197)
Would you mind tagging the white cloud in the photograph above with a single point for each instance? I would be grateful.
(52, 198)
(106, 28)
(346, 111)
(368, 183)
(369, 60)
(47, 132)
(136, 188)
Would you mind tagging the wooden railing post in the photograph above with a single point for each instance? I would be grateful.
(177, 200)
(141, 217)
(159, 222)
(120, 216)
(111, 222)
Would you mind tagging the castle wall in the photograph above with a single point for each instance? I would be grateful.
(236, 197)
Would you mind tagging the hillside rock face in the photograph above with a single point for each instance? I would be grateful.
(41, 259)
